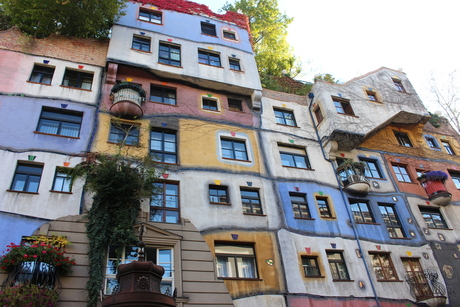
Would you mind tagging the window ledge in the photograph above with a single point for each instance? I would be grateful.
(343, 280)
(209, 35)
(170, 65)
(287, 125)
(304, 218)
(376, 178)
(212, 111)
(254, 214)
(439, 228)
(243, 278)
(211, 65)
(75, 88)
(236, 70)
(133, 49)
(138, 146)
(307, 169)
(389, 280)
(23, 192)
(58, 135)
(236, 159)
(351, 115)
(223, 204)
(38, 83)
(153, 23)
(236, 111)
(60, 192)
(400, 238)
(365, 223)
(314, 276)
(163, 162)
(162, 103)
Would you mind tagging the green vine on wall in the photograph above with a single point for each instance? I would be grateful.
(119, 185)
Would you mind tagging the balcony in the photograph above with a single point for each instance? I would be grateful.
(426, 288)
(352, 175)
(127, 99)
(433, 182)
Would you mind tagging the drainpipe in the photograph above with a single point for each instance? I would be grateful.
(344, 198)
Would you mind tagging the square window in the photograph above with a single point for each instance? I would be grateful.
(433, 218)
(299, 206)
(208, 28)
(162, 256)
(164, 205)
(169, 54)
(60, 122)
(150, 16)
(163, 145)
(455, 178)
(403, 139)
(235, 260)
(401, 173)
(361, 211)
(125, 134)
(27, 177)
(210, 104)
(285, 117)
(229, 35)
(42, 74)
(447, 147)
(310, 266)
(141, 43)
(337, 265)
(77, 79)
(323, 207)
(294, 157)
(163, 94)
(371, 168)
(251, 201)
(431, 141)
(318, 115)
(383, 266)
(218, 195)
(235, 105)
(398, 85)
(342, 106)
(372, 96)
(62, 181)
(234, 64)
(209, 58)
(391, 220)
(234, 149)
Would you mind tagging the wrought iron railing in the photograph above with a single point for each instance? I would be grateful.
(425, 284)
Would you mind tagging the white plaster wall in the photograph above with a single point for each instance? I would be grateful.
(261, 301)
(45, 204)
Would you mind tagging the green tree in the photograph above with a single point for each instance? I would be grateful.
(325, 77)
(82, 18)
(274, 55)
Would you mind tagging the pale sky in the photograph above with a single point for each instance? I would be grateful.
(353, 37)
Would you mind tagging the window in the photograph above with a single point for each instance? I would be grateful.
(251, 201)
(284, 117)
(398, 85)
(158, 255)
(235, 105)
(299, 206)
(124, 134)
(42, 74)
(234, 149)
(403, 139)
(431, 141)
(229, 35)
(318, 115)
(433, 218)
(164, 206)
(78, 79)
(383, 266)
(323, 207)
(141, 43)
(163, 145)
(371, 168)
(235, 260)
(361, 211)
(447, 147)
(27, 177)
(310, 266)
(61, 181)
(150, 16)
(418, 282)
(163, 94)
(401, 173)
(209, 58)
(208, 28)
(60, 122)
(455, 178)
(337, 265)
(169, 54)
(234, 64)
(210, 104)
(294, 157)
(342, 106)
(390, 217)
(372, 96)
(218, 195)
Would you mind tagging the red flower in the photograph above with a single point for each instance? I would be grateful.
(44, 252)
(26, 256)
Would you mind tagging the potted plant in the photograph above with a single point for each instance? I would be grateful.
(355, 167)
(433, 175)
(28, 295)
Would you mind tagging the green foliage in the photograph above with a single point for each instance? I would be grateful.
(325, 77)
(82, 18)
(119, 185)
(285, 85)
(435, 120)
(269, 32)
(28, 296)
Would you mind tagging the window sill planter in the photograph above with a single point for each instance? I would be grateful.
(127, 99)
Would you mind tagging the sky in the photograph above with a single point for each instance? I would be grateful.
(350, 38)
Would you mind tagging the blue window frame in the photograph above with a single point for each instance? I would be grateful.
(27, 177)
